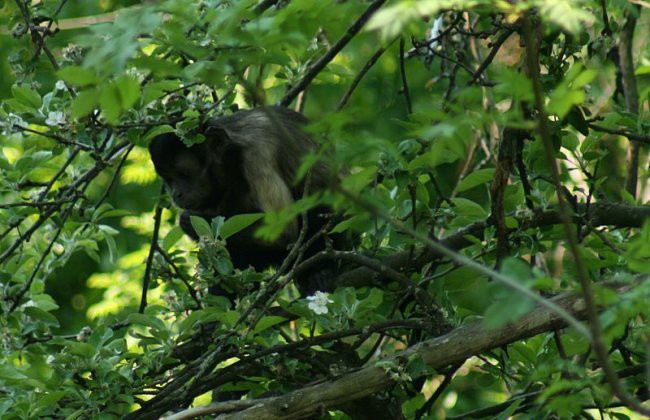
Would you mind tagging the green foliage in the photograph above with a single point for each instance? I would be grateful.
(439, 142)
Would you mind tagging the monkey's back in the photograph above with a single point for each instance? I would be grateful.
(273, 134)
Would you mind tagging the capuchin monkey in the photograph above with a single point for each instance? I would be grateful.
(247, 164)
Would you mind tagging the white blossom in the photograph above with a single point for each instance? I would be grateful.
(55, 118)
(434, 32)
(60, 85)
(72, 53)
(318, 303)
(10, 123)
(524, 212)
(82, 336)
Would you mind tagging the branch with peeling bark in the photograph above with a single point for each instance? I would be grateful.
(454, 347)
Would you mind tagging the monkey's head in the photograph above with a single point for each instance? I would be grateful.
(194, 175)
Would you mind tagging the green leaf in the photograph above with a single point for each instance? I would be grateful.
(110, 103)
(147, 320)
(112, 248)
(159, 67)
(355, 182)
(482, 176)
(153, 132)
(570, 92)
(517, 269)
(224, 266)
(267, 322)
(510, 411)
(209, 314)
(78, 76)
(43, 301)
(238, 223)
(416, 367)
(85, 102)
(627, 197)
(174, 235)
(513, 85)
(26, 96)
(128, 90)
(438, 154)
(510, 305)
(571, 15)
(507, 310)
(81, 349)
(201, 226)
(392, 20)
(50, 398)
(41, 315)
(229, 318)
(10, 372)
(465, 207)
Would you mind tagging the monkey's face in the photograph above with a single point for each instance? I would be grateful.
(191, 179)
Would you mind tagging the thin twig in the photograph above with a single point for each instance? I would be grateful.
(320, 64)
(28, 284)
(68, 191)
(152, 250)
(441, 388)
(631, 136)
(38, 204)
(402, 71)
(371, 62)
(180, 274)
(493, 52)
(607, 30)
(56, 137)
(118, 169)
(59, 173)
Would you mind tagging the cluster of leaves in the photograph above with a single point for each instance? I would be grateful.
(443, 139)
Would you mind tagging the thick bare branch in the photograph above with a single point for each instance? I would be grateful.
(454, 347)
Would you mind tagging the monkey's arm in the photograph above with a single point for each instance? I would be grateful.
(244, 248)
(269, 190)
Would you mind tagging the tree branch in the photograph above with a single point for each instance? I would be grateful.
(320, 64)
(631, 93)
(152, 250)
(630, 136)
(371, 62)
(600, 214)
(452, 348)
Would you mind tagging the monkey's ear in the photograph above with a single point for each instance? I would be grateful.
(215, 132)
(217, 137)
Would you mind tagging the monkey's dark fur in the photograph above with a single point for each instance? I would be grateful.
(246, 164)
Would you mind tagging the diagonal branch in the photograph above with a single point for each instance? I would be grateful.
(452, 348)
(320, 64)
